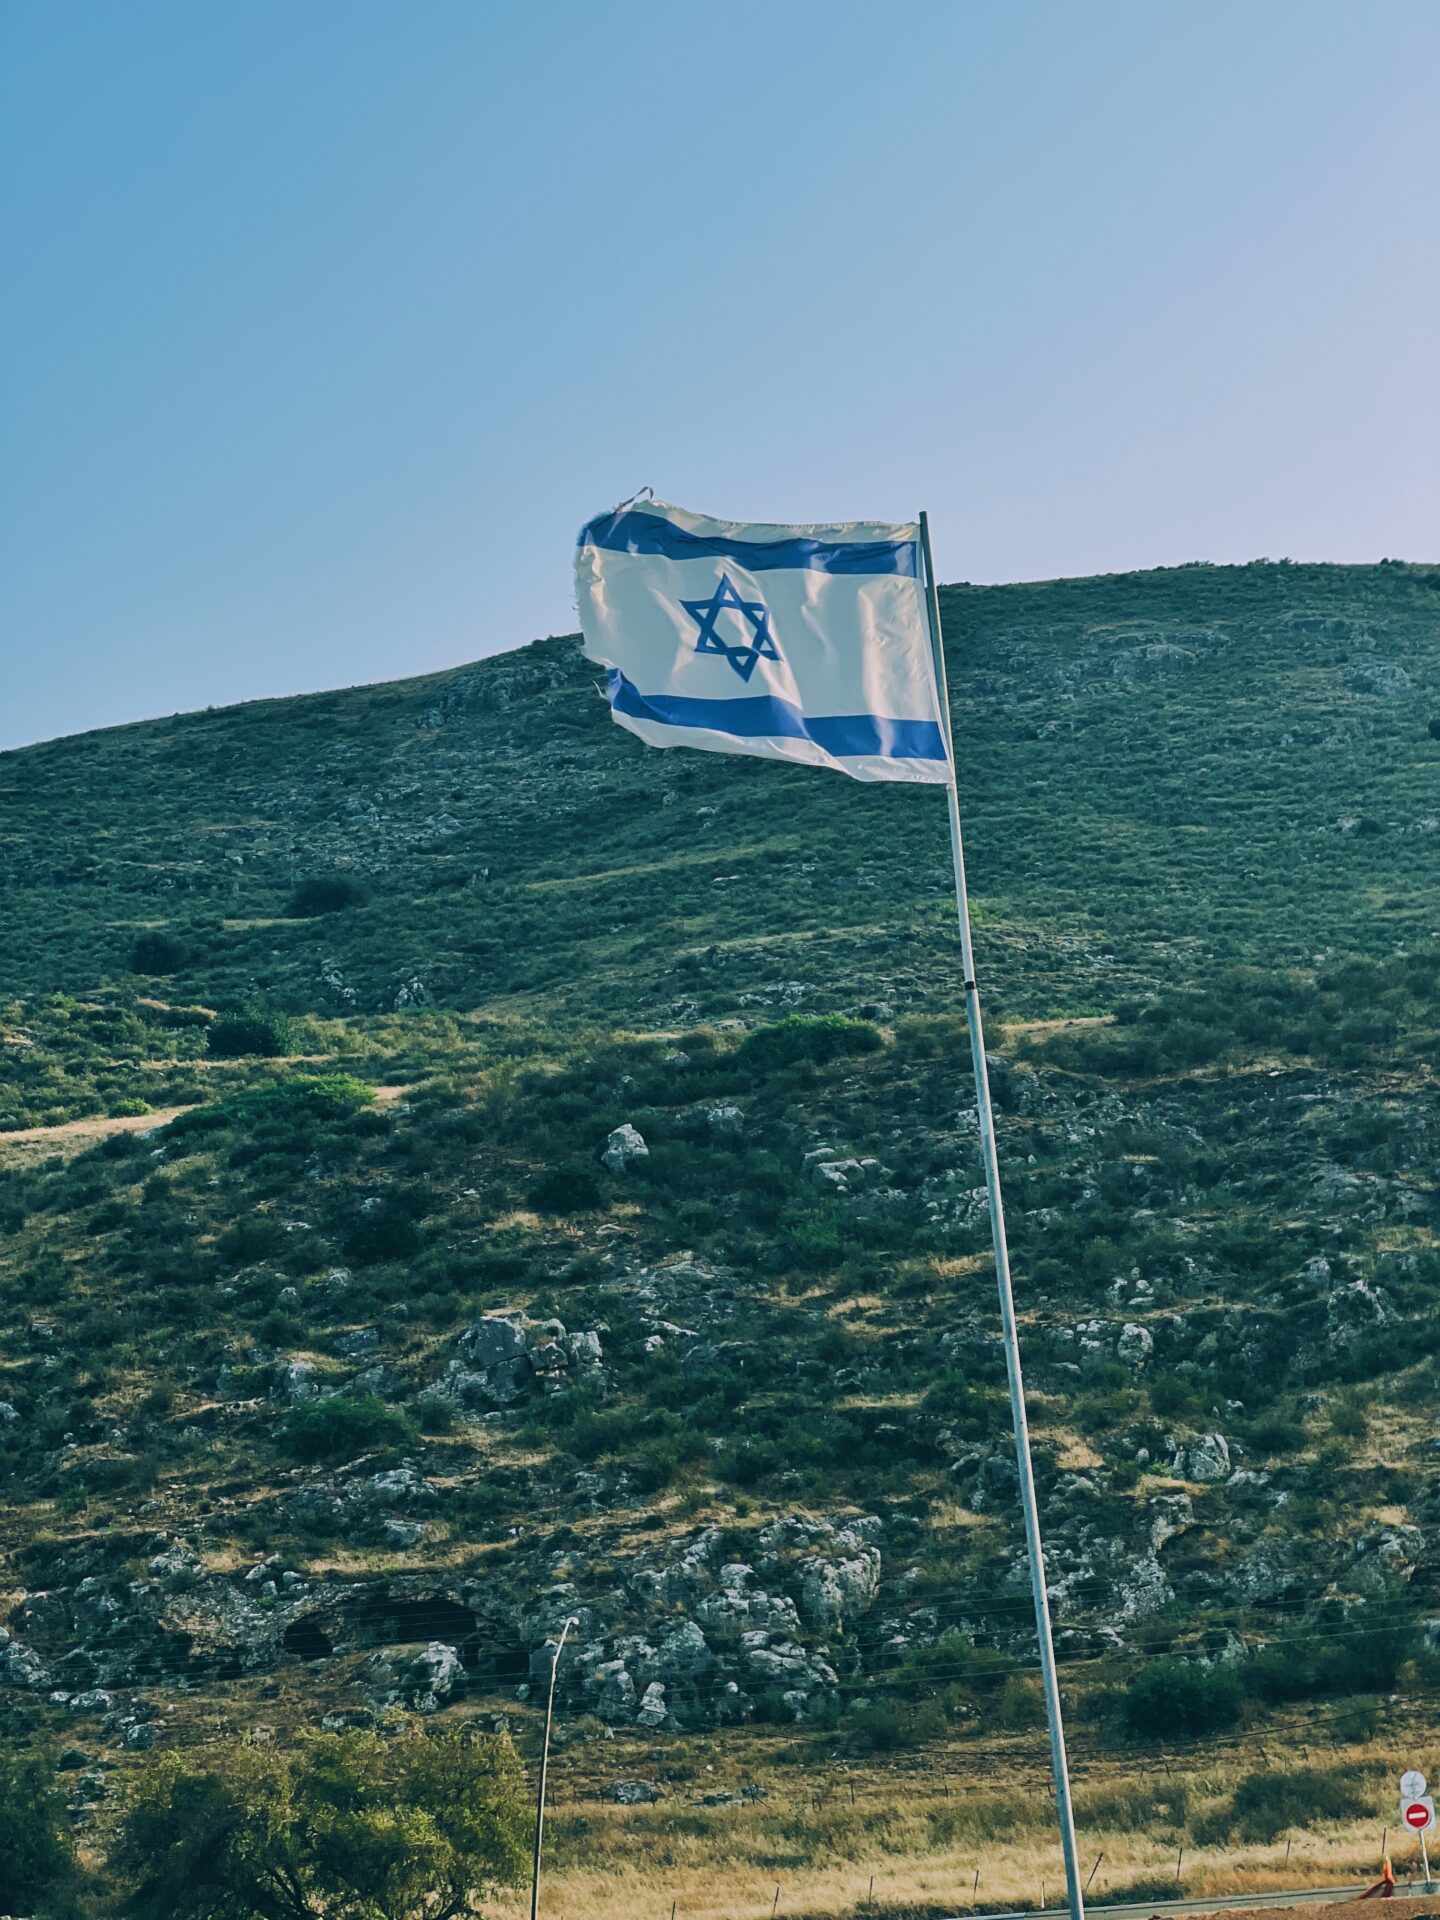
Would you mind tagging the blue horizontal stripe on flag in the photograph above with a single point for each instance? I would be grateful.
(651, 533)
(762, 716)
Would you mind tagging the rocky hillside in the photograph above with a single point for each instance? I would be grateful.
(462, 1169)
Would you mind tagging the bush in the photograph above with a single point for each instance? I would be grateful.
(342, 1426)
(324, 893)
(1278, 1430)
(1339, 1650)
(321, 1096)
(236, 1036)
(1178, 1698)
(157, 953)
(350, 1826)
(571, 1187)
(972, 1412)
(37, 1854)
(389, 1232)
(811, 1039)
(883, 1726)
(1021, 1704)
(1267, 1804)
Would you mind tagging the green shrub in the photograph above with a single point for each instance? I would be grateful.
(389, 1233)
(237, 1036)
(324, 893)
(819, 1237)
(255, 1236)
(884, 1726)
(972, 1412)
(344, 1425)
(1278, 1430)
(1021, 1704)
(1266, 1805)
(37, 1854)
(1339, 1650)
(434, 1415)
(812, 1039)
(1348, 1416)
(326, 1096)
(1176, 1395)
(571, 1187)
(1172, 1699)
(157, 953)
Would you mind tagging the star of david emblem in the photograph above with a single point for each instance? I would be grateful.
(743, 655)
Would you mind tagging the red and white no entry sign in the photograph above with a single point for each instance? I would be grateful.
(1418, 1815)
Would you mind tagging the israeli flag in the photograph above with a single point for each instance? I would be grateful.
(794, 643)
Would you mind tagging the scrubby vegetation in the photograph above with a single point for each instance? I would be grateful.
(334, 1324)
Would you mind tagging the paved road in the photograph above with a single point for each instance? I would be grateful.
(1142, 1910)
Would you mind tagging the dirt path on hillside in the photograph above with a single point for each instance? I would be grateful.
(95, 1125)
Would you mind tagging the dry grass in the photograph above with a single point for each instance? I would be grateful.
(921, 1839)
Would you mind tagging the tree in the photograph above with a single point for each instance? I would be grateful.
(415, 1829)
(37, 1854)
(350, 1827)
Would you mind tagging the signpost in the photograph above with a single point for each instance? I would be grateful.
(1417, 1812)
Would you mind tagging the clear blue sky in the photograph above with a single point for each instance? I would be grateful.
(326, 324)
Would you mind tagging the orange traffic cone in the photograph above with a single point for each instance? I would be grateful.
(1384, 1886)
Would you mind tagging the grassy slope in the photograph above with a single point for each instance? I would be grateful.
(1154, 769)
(1166, 778)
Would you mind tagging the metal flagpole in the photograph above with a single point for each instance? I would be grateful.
(544, 1770)
(1002, 1271)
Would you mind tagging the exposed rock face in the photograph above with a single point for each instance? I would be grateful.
(1135, 1345)
(432, 1676)
(1354, 1310)
(955, 1208)
(998, 1487)
(507, 1357)
(299, 1381)
(19, 1666)
(625, 1145)
(1205, 1458)
(833, 1592)
(653, 1711)
(615, 1698)
(498, 1348)
(1170, 1514)
(403, 1487)
(744, 1629)
(633, 1793)
(1382, 677)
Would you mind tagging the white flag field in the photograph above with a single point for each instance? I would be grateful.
(793, 643)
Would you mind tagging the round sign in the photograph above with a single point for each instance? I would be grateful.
(1417, 1814)
(1412, 1784)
